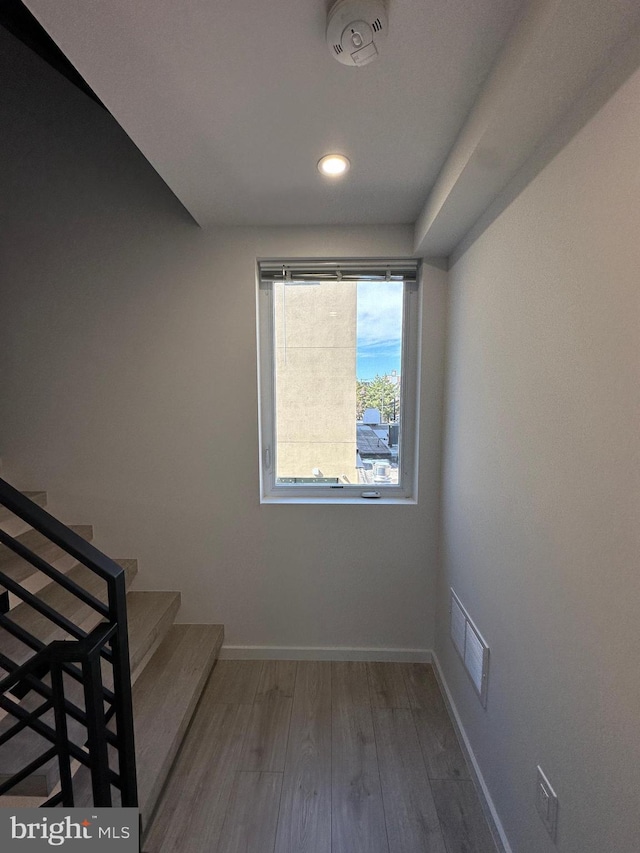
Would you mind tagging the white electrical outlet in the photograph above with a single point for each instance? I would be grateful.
(546, 803)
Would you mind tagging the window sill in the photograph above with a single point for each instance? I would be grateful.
(358, 501)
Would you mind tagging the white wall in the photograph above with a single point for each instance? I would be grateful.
(129, 389)
(541, 492)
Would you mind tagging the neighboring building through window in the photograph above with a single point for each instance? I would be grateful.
(338, 351)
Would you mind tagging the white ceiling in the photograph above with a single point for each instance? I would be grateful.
(234, 101)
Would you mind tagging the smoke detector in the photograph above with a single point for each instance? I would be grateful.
(355, 30)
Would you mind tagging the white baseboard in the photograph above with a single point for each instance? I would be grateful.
(500, 836)
(324, 653)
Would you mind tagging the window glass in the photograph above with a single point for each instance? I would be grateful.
(334, 384)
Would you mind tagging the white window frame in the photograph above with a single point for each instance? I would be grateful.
(406, 491)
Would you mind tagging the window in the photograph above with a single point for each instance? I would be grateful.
(338, 350)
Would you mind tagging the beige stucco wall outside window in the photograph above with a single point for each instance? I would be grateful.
(315, 380)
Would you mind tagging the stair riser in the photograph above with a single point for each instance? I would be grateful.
(140, 656)
(149, 797)
(164, 700)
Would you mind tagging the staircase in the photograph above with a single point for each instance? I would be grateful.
(53, 596)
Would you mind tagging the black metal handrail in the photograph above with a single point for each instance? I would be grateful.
(44, 690)
(79, 658)
(34, 643)
(55, 575)
(58, 533)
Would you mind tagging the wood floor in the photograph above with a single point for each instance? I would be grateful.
(309, 757)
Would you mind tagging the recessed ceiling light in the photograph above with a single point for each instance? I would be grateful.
(333, 165)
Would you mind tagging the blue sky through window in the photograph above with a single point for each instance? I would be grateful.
(379, 328)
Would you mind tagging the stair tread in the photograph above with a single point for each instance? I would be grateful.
(38, 497)
(18, 569)
(164, 699)
(63, 602)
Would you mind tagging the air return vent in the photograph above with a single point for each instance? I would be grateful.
(471, 647)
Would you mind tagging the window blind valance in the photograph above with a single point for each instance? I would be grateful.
(352, 270)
